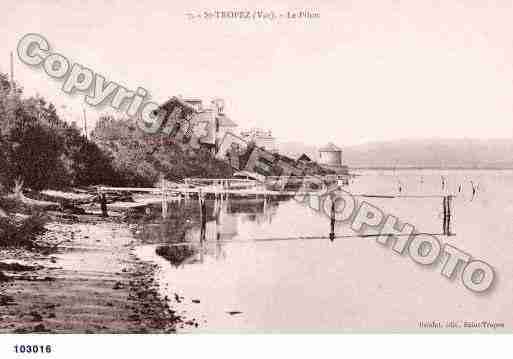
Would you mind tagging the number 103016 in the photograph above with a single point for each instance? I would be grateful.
(33, 349)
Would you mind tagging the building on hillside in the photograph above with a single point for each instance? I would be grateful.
(330, 157)
(211, 122)
(222, 122)
(304, 158)
(262, 138)
(218, 123)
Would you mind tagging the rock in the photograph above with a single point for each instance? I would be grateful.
(16, 267)
(3, 277)
(71, 209)
(117, 286)
(134, 317)
(36, 317)
(40, 328)
(69, 217)
(6, 300)
(234, 312)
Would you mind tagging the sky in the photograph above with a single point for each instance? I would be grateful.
(363, 71)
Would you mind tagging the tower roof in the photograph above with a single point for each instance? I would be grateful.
(330, 147)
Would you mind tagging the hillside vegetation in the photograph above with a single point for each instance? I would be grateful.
(39, 150)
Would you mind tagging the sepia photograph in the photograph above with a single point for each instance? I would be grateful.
(328, 167)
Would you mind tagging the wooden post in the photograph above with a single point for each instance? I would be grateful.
(203, 214)
(449, 215)
(332, 221)
(444, 220)
(103, 204)
(446, 225)
(200, 205)
(85, 124)
(164, 199)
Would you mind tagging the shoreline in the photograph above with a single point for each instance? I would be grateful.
(93, 283)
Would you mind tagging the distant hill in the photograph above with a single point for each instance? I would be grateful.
(426, 153)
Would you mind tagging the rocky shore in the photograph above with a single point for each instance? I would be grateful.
(89, 281)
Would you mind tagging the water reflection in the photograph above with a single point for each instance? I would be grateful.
(348, 284)
(176, 255)
(185, 238)
(227, 216)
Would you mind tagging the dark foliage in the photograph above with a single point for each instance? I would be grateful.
(141, 159)
(21, 232)
(42, 150)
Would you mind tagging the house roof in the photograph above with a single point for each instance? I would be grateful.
(225, 121)
(304, 157)
(330, 147)
(173, 101)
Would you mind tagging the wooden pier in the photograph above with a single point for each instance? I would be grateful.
(200, 188)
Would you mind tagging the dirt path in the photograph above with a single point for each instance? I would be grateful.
(93, 284)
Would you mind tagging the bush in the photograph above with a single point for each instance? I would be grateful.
(21, 233)
(43, 150)
(139, 159)
(11, 205)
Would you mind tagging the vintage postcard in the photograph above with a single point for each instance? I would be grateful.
(235, 168)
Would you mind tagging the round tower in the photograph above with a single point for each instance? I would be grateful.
(330, 155)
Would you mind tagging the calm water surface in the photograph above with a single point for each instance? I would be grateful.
(246, 279)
